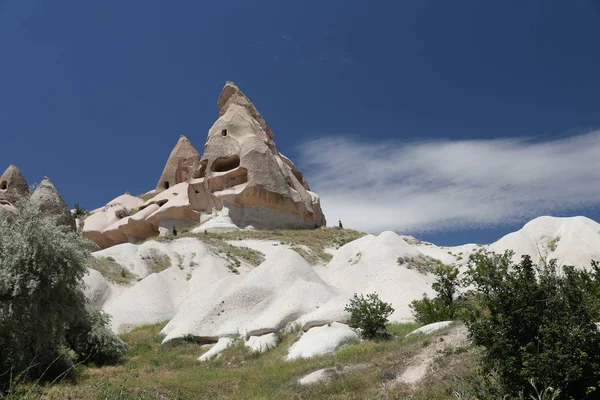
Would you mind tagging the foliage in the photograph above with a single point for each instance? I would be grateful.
(369, 314)
(91, 338)
(444, 306)
(41, 294)
(79, 211)
(537, 324)
(121, 213)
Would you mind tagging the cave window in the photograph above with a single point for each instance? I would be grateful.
(223, 164)
(3, 185)
(224, 132)
(166, 184)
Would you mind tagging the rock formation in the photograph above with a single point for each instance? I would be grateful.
(241, 177)
(52, 204)
(13, 186)
(243, 170)
(182, 163)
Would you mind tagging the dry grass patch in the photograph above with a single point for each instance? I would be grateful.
(111, 270)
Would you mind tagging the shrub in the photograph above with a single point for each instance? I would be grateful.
(93, 341)
(369, 314)
(121, 213)
(41, 294)
(537, 324)
(444, 306)
(79, 211)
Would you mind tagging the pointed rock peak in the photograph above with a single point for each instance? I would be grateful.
(12, 184)
(231, 94)
(181, 165)
(51, 203)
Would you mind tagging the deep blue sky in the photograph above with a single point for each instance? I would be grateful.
(95, 94)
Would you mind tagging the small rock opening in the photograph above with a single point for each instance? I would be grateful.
(166, 184)
(224, 132)
(223, 164)
(3, 185)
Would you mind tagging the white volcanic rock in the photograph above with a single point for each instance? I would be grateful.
(431, 328)
(178, 208)
(101, 219)
(242, 169)
(370, 264)
(13, 186)
(217, 222)
(264, 300)
(260, 344)
(218, 348)
(52, 204)
(321, 340)
(181, 165)
(572, 241)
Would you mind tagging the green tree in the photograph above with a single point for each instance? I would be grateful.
(369, 314)
(537, 323)
(41, 294)
(444, 306)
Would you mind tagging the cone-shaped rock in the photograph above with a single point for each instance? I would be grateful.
(13, 185)
(231, 94)
(52, 204)
(242, 170)
(182, 163)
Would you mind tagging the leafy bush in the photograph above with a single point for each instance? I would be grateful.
(79, 211)
(369, 314)
(93, 341)
(41, 294)
(121, 213)
(444, 306)
(536, 324)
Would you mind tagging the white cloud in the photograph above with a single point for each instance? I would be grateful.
(445, 185)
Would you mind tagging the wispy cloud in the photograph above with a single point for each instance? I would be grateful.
(448, 185)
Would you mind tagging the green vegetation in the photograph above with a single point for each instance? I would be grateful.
(111, 270)
(369, 314)
(423, 264)
(152, 371)
(535, 325)
(157, 261)
(444, 306)
(79, 211)
(316, 240)
(147, 196)
(45, 326)
(538, 325)
(553, 243)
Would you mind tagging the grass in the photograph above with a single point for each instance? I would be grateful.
(423, 264)
(157, 261)
(553, 243)
(152, 371)
(316, 240)
(147, 196)
(112, 271)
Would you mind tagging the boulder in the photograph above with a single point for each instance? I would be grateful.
(181, 165)
(52, 204)
(242, 168)
(321, 340)
(13, 186)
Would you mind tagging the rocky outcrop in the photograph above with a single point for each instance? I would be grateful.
(13, 186)
(241, 178)
(52, 204)
(181, 165)
(243, 170)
